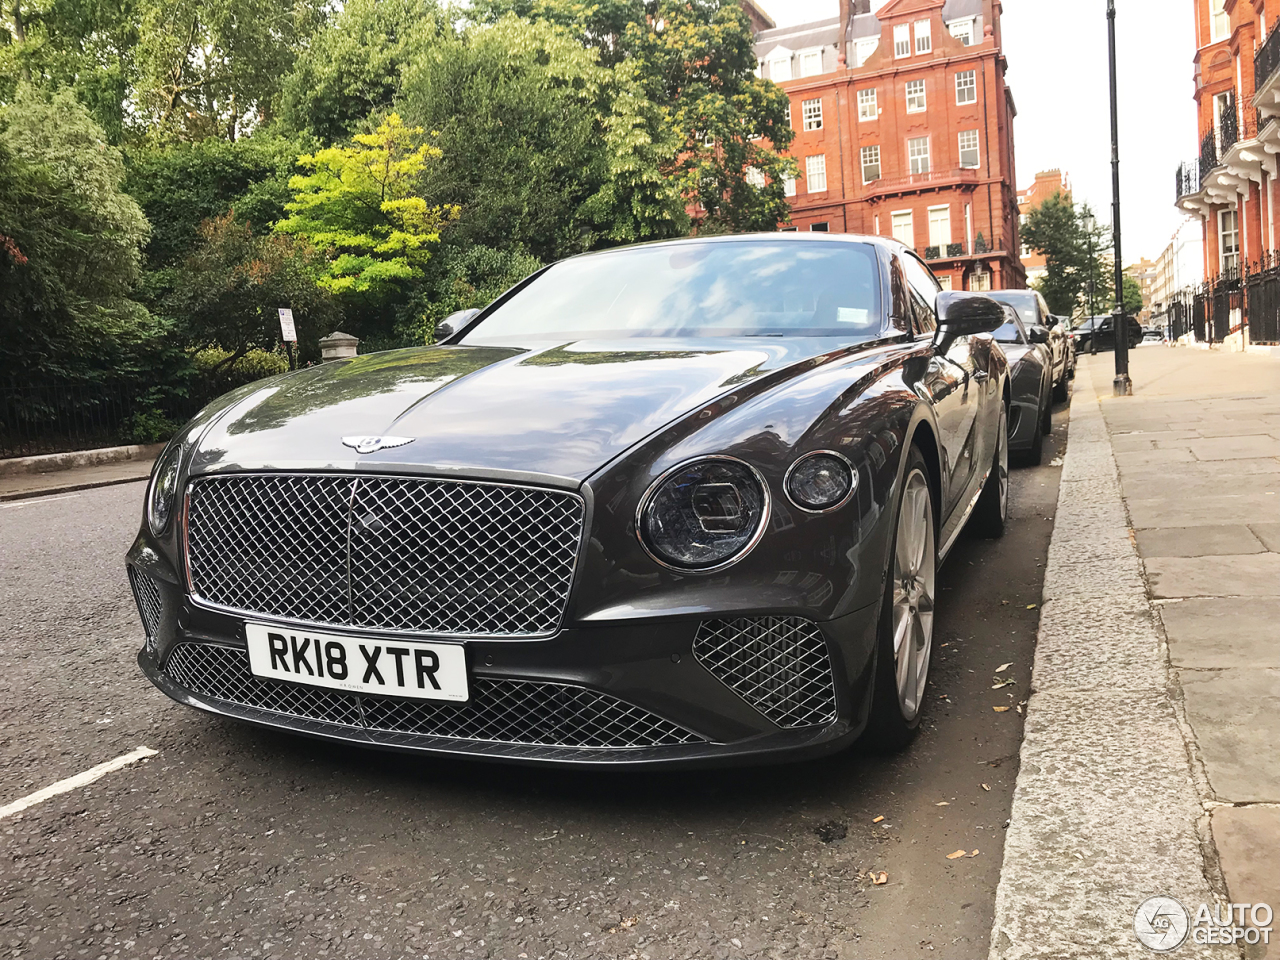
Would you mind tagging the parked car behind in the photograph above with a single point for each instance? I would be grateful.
(1033, 311)
(1030, 384)
(1104, 329)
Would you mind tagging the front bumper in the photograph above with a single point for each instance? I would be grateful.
(641, 693)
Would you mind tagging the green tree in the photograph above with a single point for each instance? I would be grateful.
(234, 283)
(356, 67)
(1057, 229)
(360, 205)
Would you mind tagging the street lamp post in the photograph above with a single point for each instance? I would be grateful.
(1091, 225)
(1123, 385)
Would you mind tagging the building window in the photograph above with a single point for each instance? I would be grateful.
(980, 281)
(789, 114)
(868, 109)
(967, 87)
(788, 186)
(969, 159)
(944, 281)
(788, 229)
(918, 154)
(819, 228)
(810, 63)
(901, 41)
(815, 173)
(924, 36)
(940, 227)
(903, 229)
(915, 96)
(811, 111)
(870, 164)
(863, 51)
(1228, 240)
(962, 30)
(780, 69)
(1221, 20)
(755, 177)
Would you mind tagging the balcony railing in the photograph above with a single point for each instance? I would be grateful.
(919, 181)
(1267, 60)
(1188, 176)
(1228, 130)
(1208, 154)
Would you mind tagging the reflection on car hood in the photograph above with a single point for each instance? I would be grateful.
(555, 410)
(1015, 351)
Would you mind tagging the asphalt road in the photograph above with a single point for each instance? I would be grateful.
(234, 842)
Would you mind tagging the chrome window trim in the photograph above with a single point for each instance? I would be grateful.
(259, 616)
(765, 514)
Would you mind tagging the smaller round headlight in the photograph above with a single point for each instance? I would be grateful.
(164, 489)
(820, 481)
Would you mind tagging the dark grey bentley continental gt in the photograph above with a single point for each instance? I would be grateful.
(673, 503)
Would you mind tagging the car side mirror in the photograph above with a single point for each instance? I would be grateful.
(454, 322)
(1050, 322)
(1038, 334)
(964, 314)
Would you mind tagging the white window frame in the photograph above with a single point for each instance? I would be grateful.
(896, 222)
(815, 173)
(934, 240)
(901, 41)
(1228, 259)
(863, 50)
(913, 144)
(980, 280)
(966, 83)
(863, 156)
(1219, 21)
(924, 36)
(789, 115)
(821, 227)
(963, 29)
(868, 104)
(944, 281)
(811, 113)
(780, 63)
(917, 100)
(976, 148)
(788, 186)
(808, 67)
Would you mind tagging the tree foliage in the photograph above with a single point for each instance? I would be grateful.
(1057, 229)
(360, 204)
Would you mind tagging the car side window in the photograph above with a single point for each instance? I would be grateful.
(924, 290)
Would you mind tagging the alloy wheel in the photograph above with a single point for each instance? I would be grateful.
(914, 584)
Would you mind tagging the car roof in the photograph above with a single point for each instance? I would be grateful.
(790, 236)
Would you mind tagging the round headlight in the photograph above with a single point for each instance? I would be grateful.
(703, 515)
(820, 481)
(164, 489)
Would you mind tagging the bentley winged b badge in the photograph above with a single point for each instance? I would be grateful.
(374, 444)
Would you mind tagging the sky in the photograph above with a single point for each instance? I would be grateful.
(1057, 55)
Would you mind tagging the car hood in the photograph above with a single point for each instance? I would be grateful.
(555, 412)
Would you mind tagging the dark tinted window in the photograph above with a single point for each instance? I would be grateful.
(756, 288)
(925, 289)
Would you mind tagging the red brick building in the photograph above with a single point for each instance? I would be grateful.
(904, 128)
(1232, 186)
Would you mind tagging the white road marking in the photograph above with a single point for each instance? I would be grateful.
(36, 501)
(74, 783)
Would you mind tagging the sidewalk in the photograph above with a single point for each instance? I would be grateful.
(21, 486)
(1150, 760)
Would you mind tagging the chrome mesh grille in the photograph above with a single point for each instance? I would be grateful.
(525, 712)
(430, 556)
(146, 593)
(779, 665)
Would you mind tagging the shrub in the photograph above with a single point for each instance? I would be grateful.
(212, 380)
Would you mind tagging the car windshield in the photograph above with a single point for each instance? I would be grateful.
(1024, 301)
(747, 288)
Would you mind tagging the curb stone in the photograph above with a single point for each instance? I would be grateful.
(50, 462)
(1107, 809)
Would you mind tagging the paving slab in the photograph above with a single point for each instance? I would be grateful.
(1203, 541)
(1268, 533)
(1239, 428)
(1235, 715)
(1238, 833)
(1235, 448)
(1256, 575)
(1194, 511)
(1212, 634)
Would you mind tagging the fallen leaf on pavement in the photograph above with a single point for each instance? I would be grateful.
(1003, 667)
(1004, 683)
(974, 854)
(986, 787)
(1004, 603)
(942, 804)
(879, 879)
(877, 819)
(957, 855)
(1032, 606)
(1000, 709)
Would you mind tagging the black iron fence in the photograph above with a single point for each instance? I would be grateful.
(1245, 298)
(54, 416)
(1266, 60)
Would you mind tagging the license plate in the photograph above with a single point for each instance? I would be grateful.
(392, 668)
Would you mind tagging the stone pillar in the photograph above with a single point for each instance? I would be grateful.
(338, 346)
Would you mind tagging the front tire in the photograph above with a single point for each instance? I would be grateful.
(905, 637)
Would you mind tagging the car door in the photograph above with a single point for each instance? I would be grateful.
(954, 385)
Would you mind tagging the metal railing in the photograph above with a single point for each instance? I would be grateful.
(1208, 154)
(1188, 179)
(1240, 298)
(53, 417)
(1266, 60)
(1228, 129)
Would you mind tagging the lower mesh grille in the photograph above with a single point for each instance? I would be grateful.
(779, 665)
(146, 593)
(524, 712)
